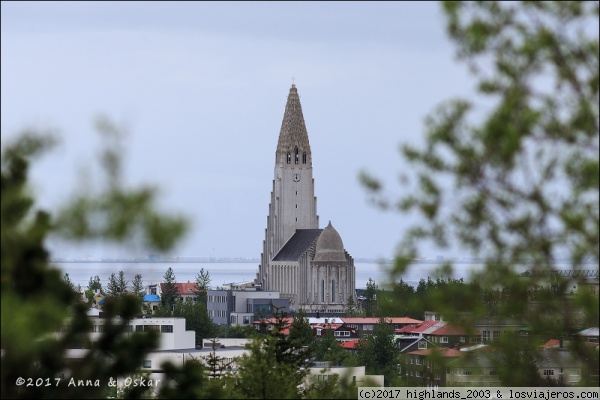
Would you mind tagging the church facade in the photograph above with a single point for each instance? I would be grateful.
(304, 263)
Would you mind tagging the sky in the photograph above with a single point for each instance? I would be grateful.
(201, 87)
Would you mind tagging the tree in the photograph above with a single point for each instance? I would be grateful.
(351, 308)
(68, 281)
(327, 348)
(236, 331)
(301, 335)
(217, 366)
(262, 376)
(516, 182)
(95, 284)
(202, 285)
(137, 287)
(370, 298)
(168, 288)
(36, 302)
(196, 317)
(378, 352)
(117, 285)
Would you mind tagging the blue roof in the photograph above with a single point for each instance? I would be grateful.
(151, 297)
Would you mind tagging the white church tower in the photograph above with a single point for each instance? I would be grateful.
(312, 270)
(293, 202)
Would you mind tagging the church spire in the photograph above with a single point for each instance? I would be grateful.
(293, 146)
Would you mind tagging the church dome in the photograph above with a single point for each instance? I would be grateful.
(329, 246)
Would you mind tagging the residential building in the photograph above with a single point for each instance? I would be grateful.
(242, 307)
(427, 367)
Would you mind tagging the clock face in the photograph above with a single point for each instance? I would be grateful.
(296, 177)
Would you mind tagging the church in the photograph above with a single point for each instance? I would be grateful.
(306, 264)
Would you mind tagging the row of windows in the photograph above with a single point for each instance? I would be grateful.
(341, 333)
(217, 299)
(477, 371)
(129, 328)
(296, 157)
(217, 313)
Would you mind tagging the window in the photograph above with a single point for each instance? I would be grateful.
(322, 290)
(333, 290)
(496, 335)
(296, 155)
(418, 374)
(147, 363)
(289, 158)
(418, 361)
(422, 345)
(166, 328)
(304, 157)
(462, 339)
(246, 320)
(486, 336)
(548, 372)
(148, 328)
(444, 339)
(574, 372)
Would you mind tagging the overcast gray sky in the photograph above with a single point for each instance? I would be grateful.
(201, 88)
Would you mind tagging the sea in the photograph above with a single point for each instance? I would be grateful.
(222, 273)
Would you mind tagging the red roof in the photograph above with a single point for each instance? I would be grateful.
(403, 320)
(350, 344)
(418, 328)
(360, 320)
(551, 343)
(182, 288)
(449, 330)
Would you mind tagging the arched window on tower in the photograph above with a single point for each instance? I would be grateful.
(333, 290)
(289, 158)
(296, 155)
(304, 157)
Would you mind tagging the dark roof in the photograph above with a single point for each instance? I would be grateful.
(298, 244)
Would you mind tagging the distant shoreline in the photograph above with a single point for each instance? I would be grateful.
(206, 260)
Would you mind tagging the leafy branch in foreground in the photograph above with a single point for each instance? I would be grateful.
(515, 184)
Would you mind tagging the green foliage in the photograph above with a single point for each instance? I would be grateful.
(351, 308)
(117, 285)
(168, 288)
(370, 305)
(195, 314)
(263, 374)
(236, 331)
(137, 287)
(117, 214)
(42, 317)
(516, 183)
(301, 334)
(327, 348)
(202, 285)
(95, 284)
(378, 352)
